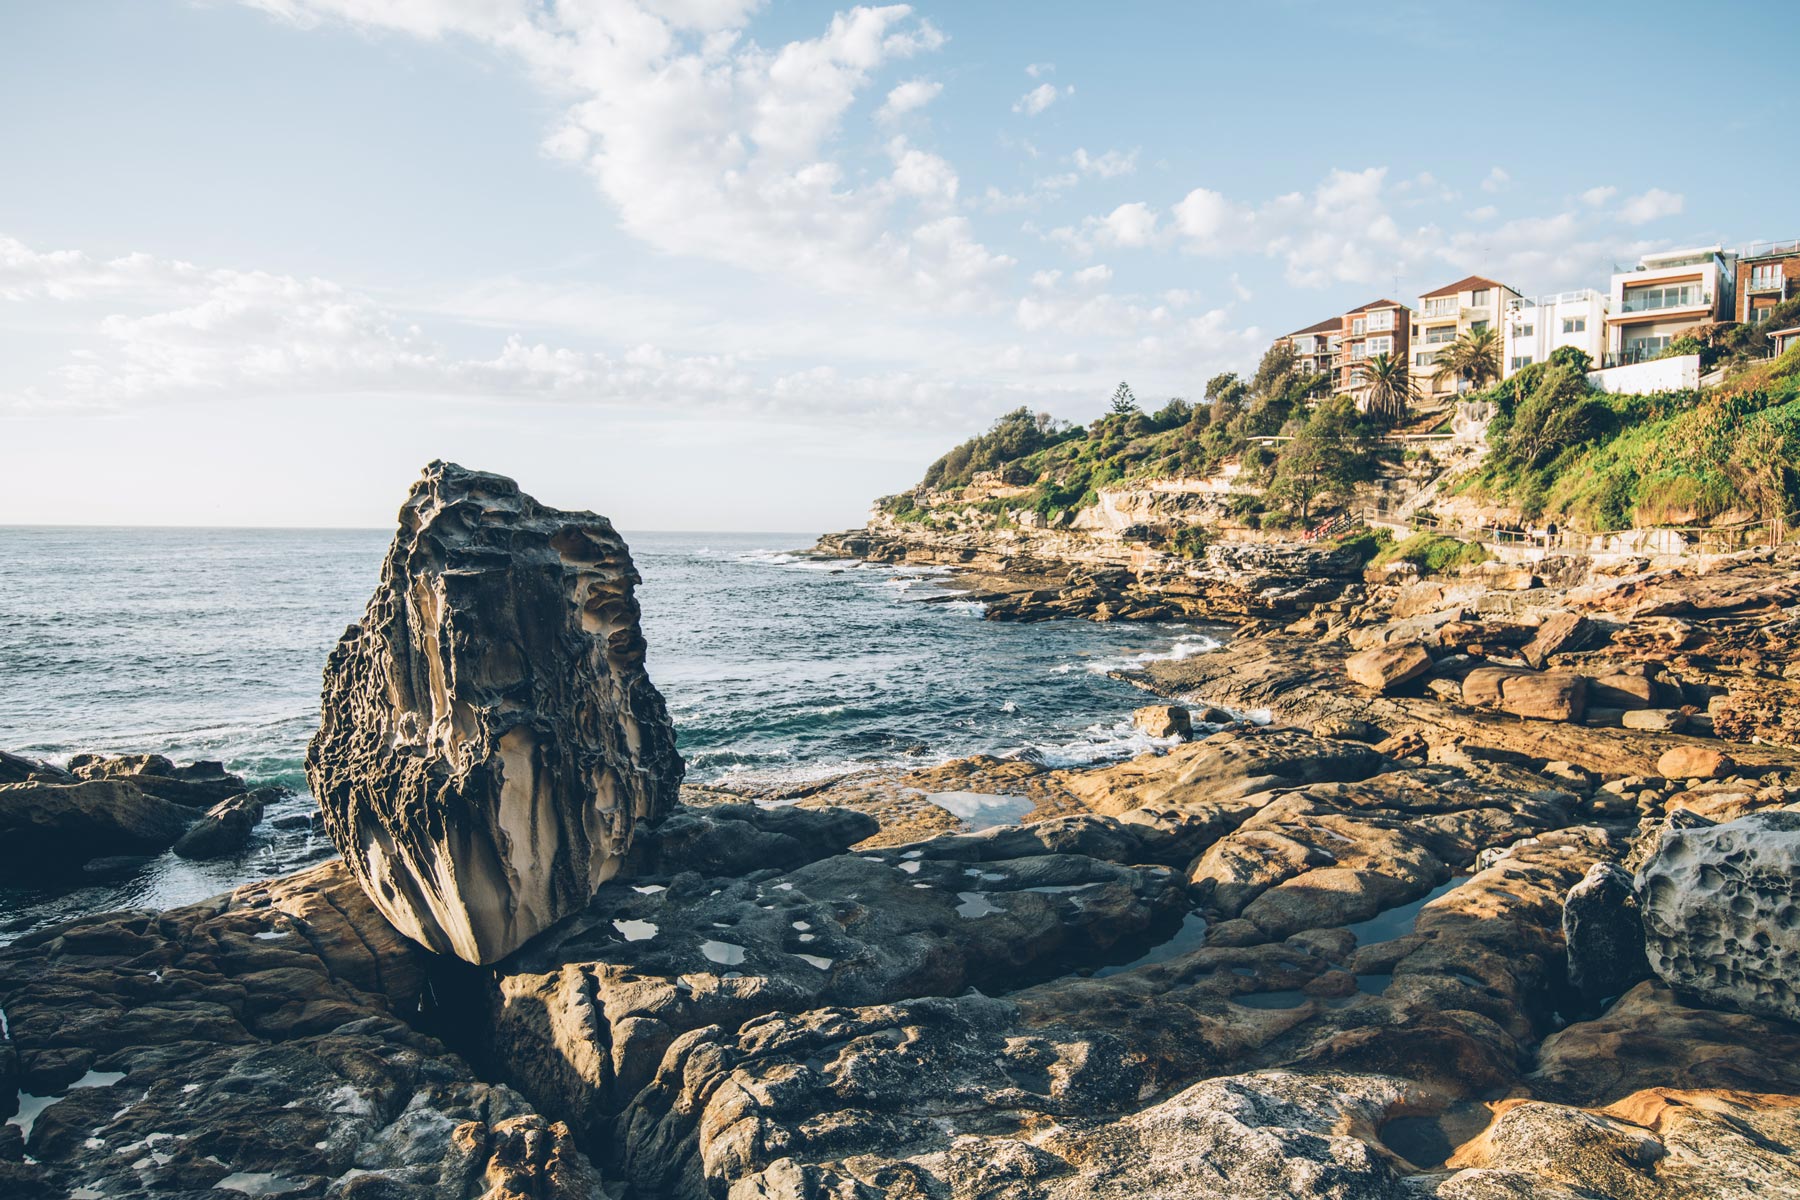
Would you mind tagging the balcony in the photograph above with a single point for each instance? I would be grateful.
(1766, 283)
(1769, 249)
(1660, 299)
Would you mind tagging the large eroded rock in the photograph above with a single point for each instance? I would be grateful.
(1722, 912)
(489, 737)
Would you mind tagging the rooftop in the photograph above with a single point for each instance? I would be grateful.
(1328, 325)
(1378, 304)
(1472, 284)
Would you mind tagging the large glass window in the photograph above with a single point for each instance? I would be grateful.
(1439, 335)
(1645, 347)
(1440, 306)
(1381, 345)
(1672, 295)
(1766, 277)
(1479, 298)
(1381, 320)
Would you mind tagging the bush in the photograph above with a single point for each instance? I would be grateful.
(1433, 554)
(1367, 543)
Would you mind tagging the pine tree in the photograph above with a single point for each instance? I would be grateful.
(1122, 400)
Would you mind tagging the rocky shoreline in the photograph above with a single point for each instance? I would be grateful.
(1499, 903)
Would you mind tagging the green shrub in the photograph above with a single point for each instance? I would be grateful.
(1433, 553)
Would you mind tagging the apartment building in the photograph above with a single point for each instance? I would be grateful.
(1668, 295)
(1536, 325)
(1767, 274)
(1378, 327)
(1316, 347)
(1446, 314)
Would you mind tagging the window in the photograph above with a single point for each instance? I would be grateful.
(1381, 345)
(1359, 351)
(1760, 313)
(1425, 358)
(1645, 347)
(1381, 320)
(1520, 360)
(1479, 297)
(1439, 335)
(1477, 326)
(1524, 330)
(1766, 277)
(1574, 324)
(1359, 326)
(1440, 306)
(1674, 295)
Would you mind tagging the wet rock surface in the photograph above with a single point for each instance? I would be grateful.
(490, 739)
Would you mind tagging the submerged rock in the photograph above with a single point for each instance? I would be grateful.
(1721, 915)
(489, 738)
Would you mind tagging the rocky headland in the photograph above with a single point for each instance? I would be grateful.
(1494, 898)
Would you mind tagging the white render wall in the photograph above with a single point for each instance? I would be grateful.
(1545, 315)
(1657, 375)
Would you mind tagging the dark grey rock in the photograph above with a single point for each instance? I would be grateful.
(1604, 932)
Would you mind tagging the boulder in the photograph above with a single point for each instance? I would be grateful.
(226, 826)
(197, 784)
(1654, 720)
(48, 824)
(1695, 762)
(489, 738)
(16, 768)
(1346, 729)
(1163, 720)
(1604, 932)
(1546, 696)
(1559, 632)
(1382, 668)
(1721, 918)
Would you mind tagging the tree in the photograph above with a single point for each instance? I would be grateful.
(1474, 356)
(1328, 457)
(1122, 400)
(1388, 389)
(1558, 412)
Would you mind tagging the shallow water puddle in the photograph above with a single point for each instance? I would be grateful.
(1188, 936)
(635, 931)
(976, 904)
(723, 953)
(1397, 922)
(980, 810)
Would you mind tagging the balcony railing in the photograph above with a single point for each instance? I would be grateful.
(1764, 249)
(1575, 297)
(1629, 357)
(1766, 283)
(1658, 300)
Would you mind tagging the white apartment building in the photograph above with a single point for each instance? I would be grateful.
(1446, 314)
(1534, 326)
(1665, 296)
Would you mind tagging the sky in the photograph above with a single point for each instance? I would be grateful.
(729, 265)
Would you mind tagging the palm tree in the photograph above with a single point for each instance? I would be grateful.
(1387, 388)
(1474, 356)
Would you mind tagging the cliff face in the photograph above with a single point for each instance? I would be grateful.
(1138, 552)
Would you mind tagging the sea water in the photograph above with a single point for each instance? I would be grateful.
(778, 668)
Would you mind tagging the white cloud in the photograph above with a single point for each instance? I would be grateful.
(1486, 212)
(1650, 206)
(910, 96)
(1496, 179)
(1129, 225)
(918, 173)
(711, 145)
(1109, 165)
(1596, 196)
(1039, 70)
(1035, 101)
(1092, 276)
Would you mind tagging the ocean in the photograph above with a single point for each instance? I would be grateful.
(777, 668)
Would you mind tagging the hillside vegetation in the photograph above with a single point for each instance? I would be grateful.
(1562, 450)
(1063, 466)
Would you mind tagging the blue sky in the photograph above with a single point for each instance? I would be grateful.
(714, 264)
